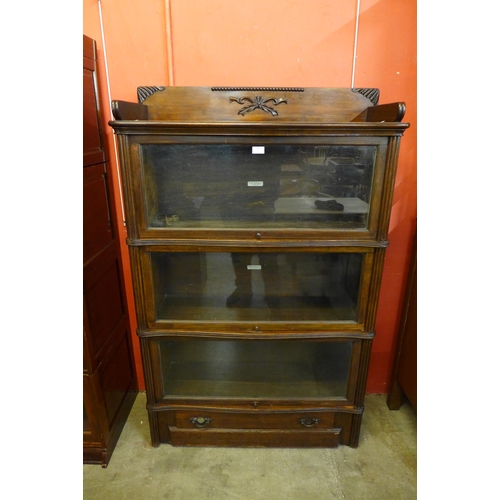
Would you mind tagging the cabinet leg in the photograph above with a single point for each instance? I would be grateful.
(355, 429)
(154, 429)
(394, 396)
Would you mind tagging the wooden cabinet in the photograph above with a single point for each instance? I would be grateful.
(257, 224)
(404, 372)
(109, 381)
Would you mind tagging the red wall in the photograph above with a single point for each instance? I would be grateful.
(278, 43)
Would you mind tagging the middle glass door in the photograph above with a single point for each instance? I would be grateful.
(258, 286)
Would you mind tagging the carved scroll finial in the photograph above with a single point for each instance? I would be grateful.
(144, 92)
(258, 102)
(372, 94)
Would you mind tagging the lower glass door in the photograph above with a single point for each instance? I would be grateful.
(257, 369)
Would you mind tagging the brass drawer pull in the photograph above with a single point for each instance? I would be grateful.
(200, 421)
(308, 422)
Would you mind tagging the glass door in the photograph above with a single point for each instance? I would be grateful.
(212, 287)
(266, 186)
(257, 369)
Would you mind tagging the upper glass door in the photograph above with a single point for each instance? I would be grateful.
(258, 186)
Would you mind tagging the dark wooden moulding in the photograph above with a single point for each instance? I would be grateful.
(263, 115)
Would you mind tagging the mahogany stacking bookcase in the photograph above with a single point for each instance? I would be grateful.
(257, 224)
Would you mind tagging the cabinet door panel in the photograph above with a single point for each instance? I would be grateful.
(97, 229)
(93, 147)
(95, 429)
(104, 303)
(116, 379)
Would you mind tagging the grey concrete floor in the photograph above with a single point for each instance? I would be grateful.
(383, 467)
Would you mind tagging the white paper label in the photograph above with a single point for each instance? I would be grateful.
(253, 267)
(258, 150)
(255, 183)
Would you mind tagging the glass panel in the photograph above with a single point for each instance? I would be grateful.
(233, 186)
(217, 286)
(255, 369)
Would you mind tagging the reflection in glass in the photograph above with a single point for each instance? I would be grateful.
(255, 369)
(243, 186)
(246, 286)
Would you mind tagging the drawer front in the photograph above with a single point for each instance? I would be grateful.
(253, 420)
(326, 438)
(299, 428)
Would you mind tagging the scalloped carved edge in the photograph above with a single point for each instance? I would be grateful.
(144, 92)
(372, 94)
(257, 89)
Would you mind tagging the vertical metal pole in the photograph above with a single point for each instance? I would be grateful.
(170, 52)
(355, 44)
(108, 88)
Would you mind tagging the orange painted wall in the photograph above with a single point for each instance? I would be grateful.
(278, 43)
(387, 59)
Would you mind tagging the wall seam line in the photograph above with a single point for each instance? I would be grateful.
(170, 50)
(355, 52)
(103, 39)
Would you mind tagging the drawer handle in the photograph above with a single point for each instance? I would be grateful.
(308, 422)
(200, 421)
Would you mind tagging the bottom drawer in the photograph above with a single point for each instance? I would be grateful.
(327, 438)
(252, 420)
(258, 428)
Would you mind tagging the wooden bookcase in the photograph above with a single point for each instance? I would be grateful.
(404, 371)
(257, 224)
(109, 381)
